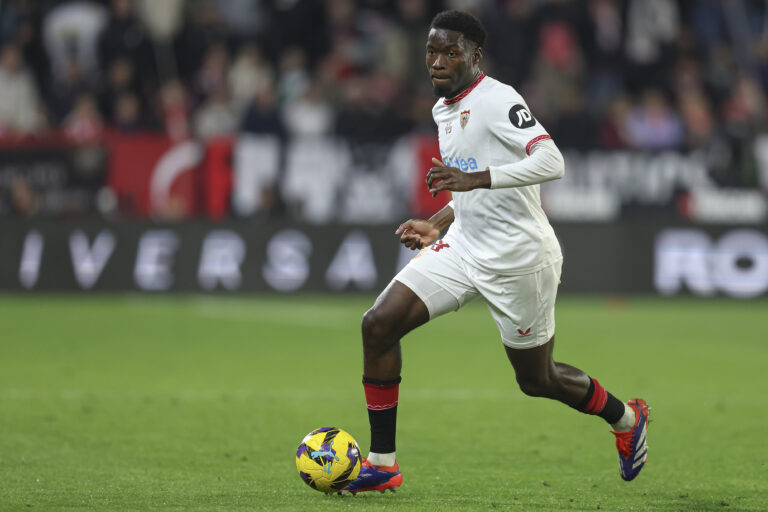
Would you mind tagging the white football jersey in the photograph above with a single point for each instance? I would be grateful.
(501, 230)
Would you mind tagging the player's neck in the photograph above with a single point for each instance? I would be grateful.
(467, 85)
(465, 89)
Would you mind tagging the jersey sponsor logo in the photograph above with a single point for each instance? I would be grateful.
(522, 333)
(439, 245)
(464, 118)
(520, 117)
(465, 164)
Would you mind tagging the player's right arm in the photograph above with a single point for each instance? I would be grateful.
(418, 233)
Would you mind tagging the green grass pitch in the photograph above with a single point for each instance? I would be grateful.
(199, 403)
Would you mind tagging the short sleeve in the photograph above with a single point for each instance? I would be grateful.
(512, 122)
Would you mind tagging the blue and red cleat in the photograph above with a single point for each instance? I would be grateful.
(633, 444)
(375, 478)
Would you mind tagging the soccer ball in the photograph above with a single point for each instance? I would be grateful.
(328, 459)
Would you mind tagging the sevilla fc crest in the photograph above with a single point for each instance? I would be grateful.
(464, 118)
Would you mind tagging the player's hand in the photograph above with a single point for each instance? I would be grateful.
(417, 233)
(442, 177)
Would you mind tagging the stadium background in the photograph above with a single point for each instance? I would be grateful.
(254, 157)
(162, 130)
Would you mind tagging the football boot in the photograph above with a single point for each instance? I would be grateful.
(375, 478)
(633, 444)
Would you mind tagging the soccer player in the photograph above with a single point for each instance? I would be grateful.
(499, 245)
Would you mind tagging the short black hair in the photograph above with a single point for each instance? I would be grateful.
(463, 22)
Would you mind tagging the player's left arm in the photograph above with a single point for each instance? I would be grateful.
(517, 127)
(544, 163)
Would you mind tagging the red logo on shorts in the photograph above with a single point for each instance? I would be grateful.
(526, 332)
(439, 245)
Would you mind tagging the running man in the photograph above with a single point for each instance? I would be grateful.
(499, 245)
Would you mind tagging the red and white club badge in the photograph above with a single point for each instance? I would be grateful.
(464, 118)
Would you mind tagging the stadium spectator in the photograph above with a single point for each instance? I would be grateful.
(419, 110)
(175, 110)
(350, 52)
(575, 127)
(71, 31)
(651, 30)
(19, 103)
(212, 75)
(262, 115)
(744, 115)
(696, 115)
(84, 123)
(613, 128)
(653, 124)
(125, 36)
(606, 29)
(241, 17)
(746, 104)
(215, 117)
(129, 115)
(686, 77)
(720, 71)
(163, 20)
(21, 24)
(296, 24)
(604, 42)
(708, 23)
(402, 42)
(558, 67)
(203, 29)
(510, 28)
(120, 79)
(65, 91)
(363, 115)
(310, 115)
(294, 75)
(249, 75)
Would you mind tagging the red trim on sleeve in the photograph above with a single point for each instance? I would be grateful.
(534, 141)
(468, 90)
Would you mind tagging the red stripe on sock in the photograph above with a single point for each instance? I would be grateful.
(597, 403)
(379, 398)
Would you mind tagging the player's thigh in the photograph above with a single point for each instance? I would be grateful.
(439, 279)
(523, 307)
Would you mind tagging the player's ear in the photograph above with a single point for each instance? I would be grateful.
(477, 55)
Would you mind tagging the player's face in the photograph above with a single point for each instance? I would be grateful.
(451, 61)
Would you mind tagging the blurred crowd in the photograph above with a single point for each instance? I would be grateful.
(613, 74)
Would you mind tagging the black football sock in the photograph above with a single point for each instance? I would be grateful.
(383, 429)
(601, 403)
(381, 399)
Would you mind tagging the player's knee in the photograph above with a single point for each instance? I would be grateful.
(377, 330)
(535, 385)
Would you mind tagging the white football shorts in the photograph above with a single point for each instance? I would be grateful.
(523, 306)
